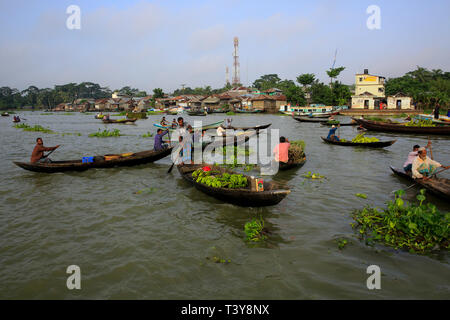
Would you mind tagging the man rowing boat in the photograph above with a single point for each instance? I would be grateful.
(38, 152)
(332, 133)
(423, 167)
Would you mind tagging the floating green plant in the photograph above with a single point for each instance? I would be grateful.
(147, 135)
(312, 175)
(419, 228)
(106, 133)
(361, 195)
(231, 113)
(254, 230)
(36, 128)
(341, 242)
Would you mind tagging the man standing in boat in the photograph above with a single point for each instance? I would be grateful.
(38, 152)
(159, 143)
(423, 167)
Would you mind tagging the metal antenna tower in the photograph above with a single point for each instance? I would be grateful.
(236, 78)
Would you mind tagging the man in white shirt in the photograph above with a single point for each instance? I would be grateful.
(423, 167)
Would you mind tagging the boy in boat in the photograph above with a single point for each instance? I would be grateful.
(174, 124)
(220, 130)
(159, 143)
(281, 151)
(423, 167)
(407, 166)
(38, 152)
(332, 133)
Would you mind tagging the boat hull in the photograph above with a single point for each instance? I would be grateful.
(77, 165)
(437, 186)
(271, 195)
(395, 128)
(380, 144)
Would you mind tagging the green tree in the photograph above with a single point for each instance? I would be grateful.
(158, 93)
(266, 82)
(333, 73)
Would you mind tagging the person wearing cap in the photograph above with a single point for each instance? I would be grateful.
(332, 134)
(423, 167)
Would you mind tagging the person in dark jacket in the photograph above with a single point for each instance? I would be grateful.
(159, 144)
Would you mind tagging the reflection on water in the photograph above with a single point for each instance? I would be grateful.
(155, 244)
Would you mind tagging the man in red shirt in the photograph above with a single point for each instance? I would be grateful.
(38, 152)
(281, 150)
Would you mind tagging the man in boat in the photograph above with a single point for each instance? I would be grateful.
(164, 122)
(228, 123)
(159, 143)
(106, 116)
(281, 151)
(174, 124)
(332, 133)
(423, 167)
(436, 111)
(37, 156)
(220, 130)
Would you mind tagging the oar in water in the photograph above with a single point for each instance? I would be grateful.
(414, 184)
(171, 167)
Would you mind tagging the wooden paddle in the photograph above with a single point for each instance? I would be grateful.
(171, 167)
(48, 154)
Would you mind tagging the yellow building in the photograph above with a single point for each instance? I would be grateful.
(369, 83)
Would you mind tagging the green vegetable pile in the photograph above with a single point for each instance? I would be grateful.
(296, 150)
(420, 123)
(419, 228)
(333, 122)
(254, 230)
(217, 180)
(360, 138)
(106, 134)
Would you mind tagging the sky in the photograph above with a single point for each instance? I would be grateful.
(164, 44)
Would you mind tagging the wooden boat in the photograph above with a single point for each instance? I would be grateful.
(273, 193)
(213, 125)
(401, 128)
(15, 121)
(196, 114)
(5, 114)
(261, 127)
(342, 124)
(283, 166)
(123, 121)
(379, 144)
(99, 162)
(248, 111)
(438, 186)
(306, 119)
(236, 140)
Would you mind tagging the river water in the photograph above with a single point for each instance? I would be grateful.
(161, 243)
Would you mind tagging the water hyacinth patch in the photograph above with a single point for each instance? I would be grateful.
(254, 230)
(419, 228)
(361, 195)
(313, 176)
(147, 135)
(106, 133)
(36, 128)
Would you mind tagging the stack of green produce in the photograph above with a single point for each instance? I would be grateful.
(296, 150)
(333, 122)
(217, 180)
(360, 138)
(420, 123)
